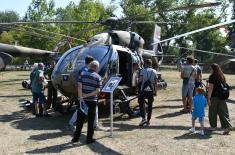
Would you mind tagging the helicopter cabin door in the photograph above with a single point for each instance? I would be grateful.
(125, 67)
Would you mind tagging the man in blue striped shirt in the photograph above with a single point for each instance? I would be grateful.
(88, 89)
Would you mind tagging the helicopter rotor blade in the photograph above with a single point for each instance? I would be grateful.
(69, 37)
(28, 33)
(203, 51)
(154, 22)
(50, 22)
(189, 7)
(196, 31)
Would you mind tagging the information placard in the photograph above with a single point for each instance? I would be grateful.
(111, 84)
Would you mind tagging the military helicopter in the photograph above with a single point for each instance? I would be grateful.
(116, 51)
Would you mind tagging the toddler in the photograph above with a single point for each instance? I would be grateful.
(198, 109)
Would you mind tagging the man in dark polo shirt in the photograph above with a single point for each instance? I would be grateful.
(89, 87)
(51, 90)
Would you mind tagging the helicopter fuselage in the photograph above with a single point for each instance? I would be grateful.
(128, 39)
(114, 61)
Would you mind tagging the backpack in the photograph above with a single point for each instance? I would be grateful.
(148, 85)
(222, 91)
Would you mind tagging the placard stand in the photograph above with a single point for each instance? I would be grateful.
(109, 87)
(111, 114)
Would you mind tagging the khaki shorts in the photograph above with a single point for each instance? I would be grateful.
(187, 90)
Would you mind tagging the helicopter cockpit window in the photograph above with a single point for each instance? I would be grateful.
(97, 52)
(66, 62)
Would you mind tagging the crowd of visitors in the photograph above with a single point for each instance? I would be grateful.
(195, 102)
(144, 80)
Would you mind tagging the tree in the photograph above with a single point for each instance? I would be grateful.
(6, 38)
(86, 10)
(6, 17)
(195, 19)
(9, 16)
(37, 11)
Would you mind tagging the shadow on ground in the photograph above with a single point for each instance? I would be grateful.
(189, 135)
(95, 147)
(172, 100)
(12, 80)
(169, 115)
(169, 107)
(14, 96)
(231, 101)
(130, 127)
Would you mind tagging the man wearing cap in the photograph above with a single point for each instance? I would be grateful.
(188, 74)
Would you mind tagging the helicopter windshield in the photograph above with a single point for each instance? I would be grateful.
(66, 61)
(97, 52)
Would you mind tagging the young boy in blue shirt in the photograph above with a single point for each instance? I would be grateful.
(198, 106)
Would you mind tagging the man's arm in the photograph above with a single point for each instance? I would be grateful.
(94, 93)
(155, 87)
(181, 74)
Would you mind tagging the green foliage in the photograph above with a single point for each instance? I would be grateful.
(211, 40)
(9, 16)
(134, 10)
(6, 38)
(40, 10)
(86, 10)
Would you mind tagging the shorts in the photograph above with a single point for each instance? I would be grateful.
(201, 119)
(39, 97)
(187, 90)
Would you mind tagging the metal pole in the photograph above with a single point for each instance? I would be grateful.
(111, 114)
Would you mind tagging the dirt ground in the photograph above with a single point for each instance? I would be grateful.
(22, 133)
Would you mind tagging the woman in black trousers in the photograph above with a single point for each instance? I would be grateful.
(217, 106)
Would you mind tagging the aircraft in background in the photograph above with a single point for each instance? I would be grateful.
(7, 52)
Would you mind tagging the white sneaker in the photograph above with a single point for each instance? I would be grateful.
(192, 130)
(202, 133)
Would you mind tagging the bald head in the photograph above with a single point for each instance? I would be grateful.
(94, 65)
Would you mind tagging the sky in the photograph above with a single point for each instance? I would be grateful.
(21, 6)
